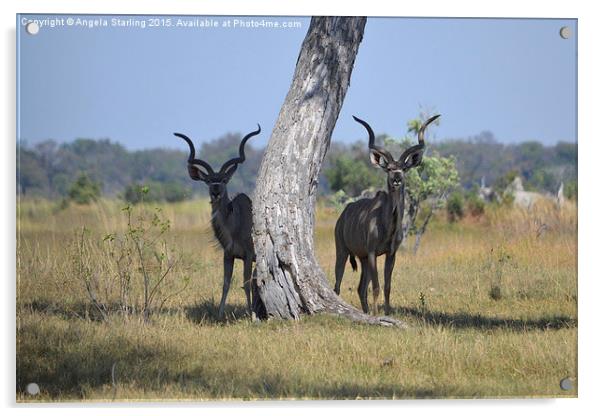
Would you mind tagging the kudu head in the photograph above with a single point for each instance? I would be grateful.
(199, 170)
(409, 159)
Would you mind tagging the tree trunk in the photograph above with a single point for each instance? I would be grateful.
(288, 279)
(409, 219)
(420, 231)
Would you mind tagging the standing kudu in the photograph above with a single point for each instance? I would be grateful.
(231, 220)
(368, 228)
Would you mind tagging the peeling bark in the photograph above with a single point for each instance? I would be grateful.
(288, 280)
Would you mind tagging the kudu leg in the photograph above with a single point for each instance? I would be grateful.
(228, 268)
(339, 270)
(362, 289)
(389, 264)
(374, 280)
(248, 271)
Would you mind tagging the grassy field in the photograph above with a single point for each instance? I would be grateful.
(491, 304)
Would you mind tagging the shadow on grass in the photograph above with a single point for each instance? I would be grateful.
(276, 386)
(65, 368)
(73, 310)
(207, 312)
(204, 312)
(118, 367)
(465, 320)
(73, 376)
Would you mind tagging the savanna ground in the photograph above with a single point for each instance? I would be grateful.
(491, 305)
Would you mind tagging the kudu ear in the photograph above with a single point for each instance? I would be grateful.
(198, 172)
(378, 159)
(229, 172)
(412, 157)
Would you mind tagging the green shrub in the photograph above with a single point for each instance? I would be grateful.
(455, 207)
(155, 192)
(139, 276)
(570, 190)
(133, 193)
(476, 206)
(84, 190)
(352, 176)
(174, 192)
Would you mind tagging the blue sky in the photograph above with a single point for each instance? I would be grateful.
(513, 77)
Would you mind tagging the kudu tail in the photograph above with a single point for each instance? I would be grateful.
(353, 262)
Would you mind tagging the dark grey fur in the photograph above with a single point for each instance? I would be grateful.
(371, 227)
(231, 219)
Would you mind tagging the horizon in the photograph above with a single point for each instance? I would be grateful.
(485, 136)
(515, 78)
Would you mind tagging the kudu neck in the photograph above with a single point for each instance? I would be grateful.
(222, 203)
(396, 194)
(396, 205)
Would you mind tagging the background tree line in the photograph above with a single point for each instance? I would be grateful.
(54, 170)
(541, 167)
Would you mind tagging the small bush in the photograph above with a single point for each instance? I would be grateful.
(174, 192)
(495, 292)
(139, 276)
(455, 207)
(499, 264)
(155, 192)
(476, 206)
(352, 176)
(570, 190)
(134, 193)
(84, 190)
(339, 200)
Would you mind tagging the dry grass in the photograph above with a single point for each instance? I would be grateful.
(491, 305)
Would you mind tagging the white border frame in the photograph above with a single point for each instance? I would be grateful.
(589, 24)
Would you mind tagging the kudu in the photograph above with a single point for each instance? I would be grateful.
(231, 220)
(370, 227)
